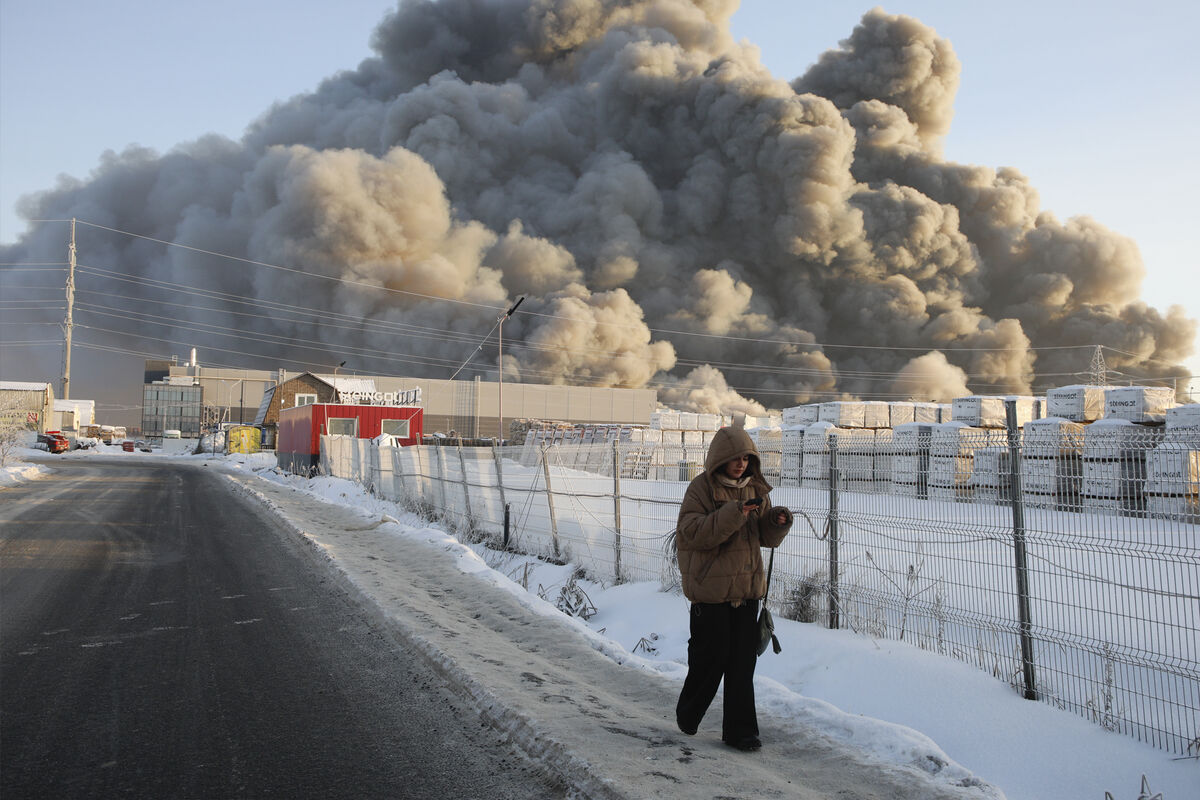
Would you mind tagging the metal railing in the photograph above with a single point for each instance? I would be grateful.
(1064, 561)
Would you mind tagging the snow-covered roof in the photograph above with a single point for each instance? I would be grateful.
(23, 386)
(344, 384)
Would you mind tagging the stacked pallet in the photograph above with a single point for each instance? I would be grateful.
(952, 448)
(910, 458)
(1173, 468)
(814, 470)
(1051, 469)
(791, 455)
(1076, 403)
(1114, 465)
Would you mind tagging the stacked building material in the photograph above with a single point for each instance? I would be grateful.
(1051, 468)
(901, 413)
(991, 475)
(910, 458)
(884, 448)
(791, 456)
(1141, 404)
(815, 466)
(1173, 468)
(856, 459)
(1114, 465)
(844, 414)
(802, 415)
(952, 447)
(1077, 403)
(928, 413)
(769, 442)
(988, 411)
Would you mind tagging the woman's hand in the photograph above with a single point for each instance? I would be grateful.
(781, 517)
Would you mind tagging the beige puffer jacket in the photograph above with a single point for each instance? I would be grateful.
(719, 549)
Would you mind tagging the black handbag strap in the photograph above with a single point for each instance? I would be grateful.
(770, 567)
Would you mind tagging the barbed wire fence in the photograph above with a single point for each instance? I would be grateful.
(1066, 567)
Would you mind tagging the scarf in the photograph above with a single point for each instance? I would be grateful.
(740, 483)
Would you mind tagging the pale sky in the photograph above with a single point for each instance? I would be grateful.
(1098, 108)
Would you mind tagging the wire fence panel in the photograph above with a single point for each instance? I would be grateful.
(1064, 561)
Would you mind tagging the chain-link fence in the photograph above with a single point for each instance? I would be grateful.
(1064, 560)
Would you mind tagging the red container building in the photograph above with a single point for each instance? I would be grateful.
(298, 447)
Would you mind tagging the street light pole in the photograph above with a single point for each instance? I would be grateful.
(500, 405)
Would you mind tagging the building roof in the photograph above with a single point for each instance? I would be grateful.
(343, 384)
(23, 386)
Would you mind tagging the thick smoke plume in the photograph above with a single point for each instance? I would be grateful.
(676, 216)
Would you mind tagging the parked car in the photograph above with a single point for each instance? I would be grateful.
(54, 441)
(144, 446)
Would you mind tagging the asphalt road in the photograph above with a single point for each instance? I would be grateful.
(162, 637)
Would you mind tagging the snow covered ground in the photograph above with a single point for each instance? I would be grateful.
(834, 706)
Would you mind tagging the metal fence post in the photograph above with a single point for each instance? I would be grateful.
(1018, 512)
(462, 465)
(550, 500)
(441, 451)
(616, 456)
(833, 534)
(500, 482)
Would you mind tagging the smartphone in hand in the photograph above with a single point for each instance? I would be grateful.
(753, 502)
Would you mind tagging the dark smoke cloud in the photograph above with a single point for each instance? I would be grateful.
(628, 166)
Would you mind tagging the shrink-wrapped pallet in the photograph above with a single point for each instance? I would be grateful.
(1183, 424)
(906, 467)
(884, 454)
(1114, 439)
(769, 444)
(929, 413)
(692, 438)
(1077, 403)
(844, 414)
(815, 466)
(689, 421)
(901, 413)
(957, 438)
(875, 414)
(1138, 403)
(1173, 469)
(950, 471)
(856, 457)
(802, 415)
(708, 422)
(991, 468)
(791, 458)
(1052, 437)
(1053, 476)
(665, 420)
(988, 411)
(912, 437)
(1182, 508)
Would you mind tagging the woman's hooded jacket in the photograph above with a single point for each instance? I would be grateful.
(718, 547)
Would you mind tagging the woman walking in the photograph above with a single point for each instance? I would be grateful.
(724, 521)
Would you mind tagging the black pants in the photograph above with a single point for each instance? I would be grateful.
(723, 645)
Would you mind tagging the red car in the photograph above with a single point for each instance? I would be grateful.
(55, 441)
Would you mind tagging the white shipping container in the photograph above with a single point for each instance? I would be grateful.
(844, 414)
(1138, 403)
(1078, 403)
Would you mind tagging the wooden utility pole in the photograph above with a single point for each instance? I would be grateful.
(68, 323)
